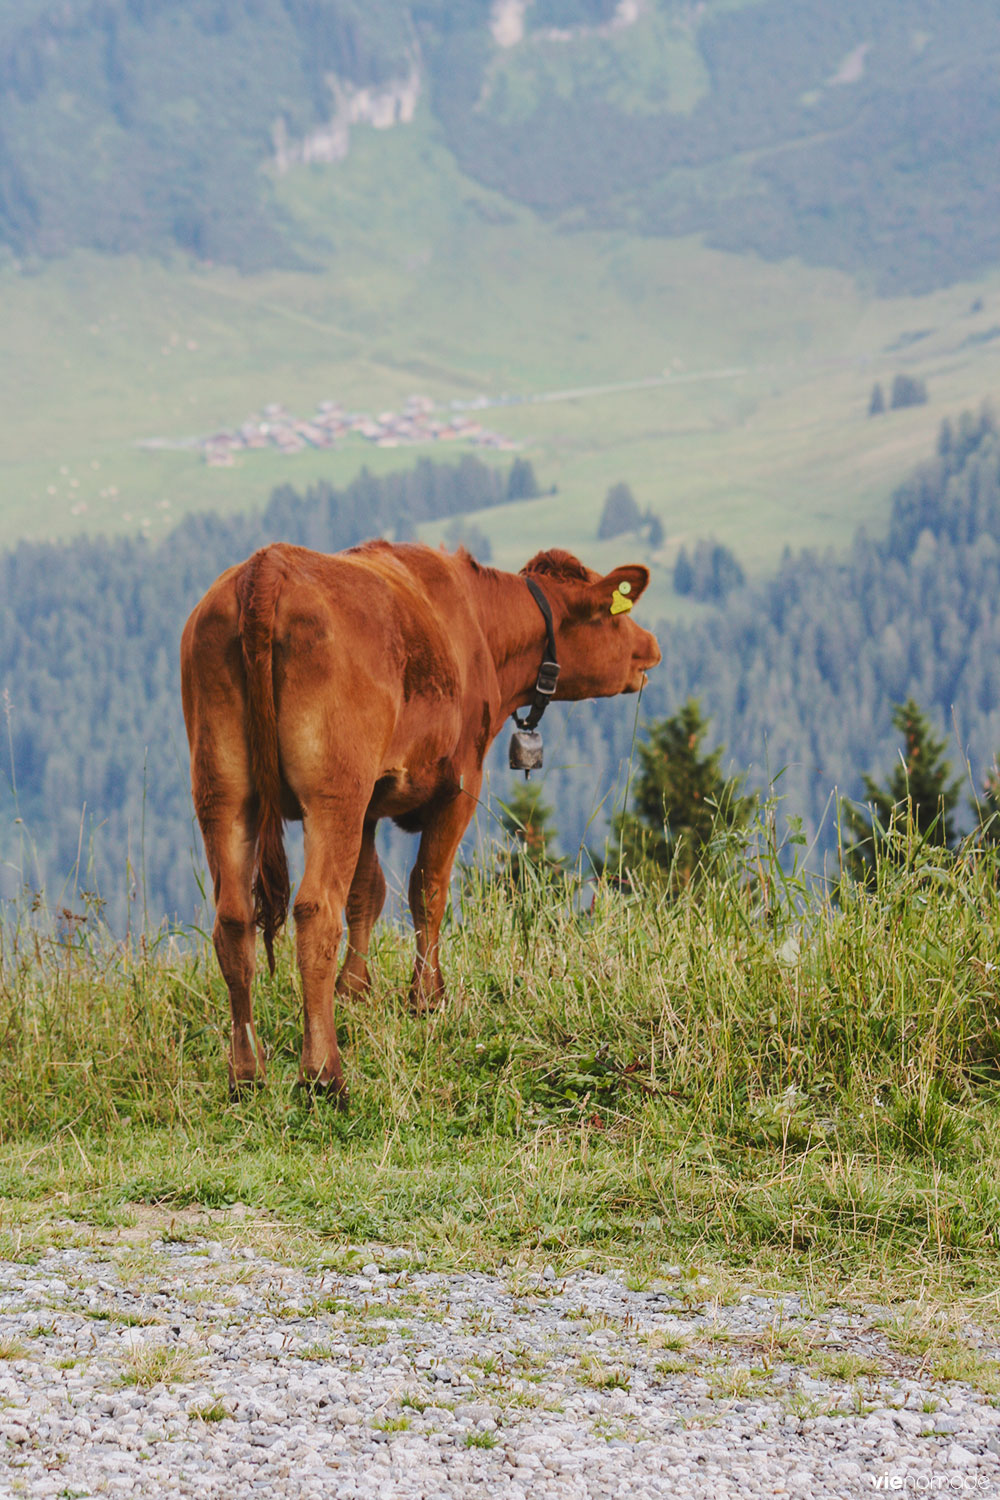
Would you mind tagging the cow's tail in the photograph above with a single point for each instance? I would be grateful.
(258, 585)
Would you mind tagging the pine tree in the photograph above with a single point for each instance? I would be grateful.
(467, 534)
(876, 405)
(908, 390)
(681, 801)
(726, 573)
(620, 513)
(683, 573)
(526, 819)
(655, 534)
(709, 574)
(917, 803)
(521, 481)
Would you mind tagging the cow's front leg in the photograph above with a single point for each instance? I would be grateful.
(364, 904)
(332, 845)
(429, 884)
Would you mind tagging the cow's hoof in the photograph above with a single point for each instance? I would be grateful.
(329, 1090)
(242, 1089)
(425, 1005)
(351, 982)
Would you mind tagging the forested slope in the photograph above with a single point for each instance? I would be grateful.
(850, 135)
(799, 675)
(859, 136)
(136, 125)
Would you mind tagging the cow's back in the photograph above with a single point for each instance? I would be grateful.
(376, 662)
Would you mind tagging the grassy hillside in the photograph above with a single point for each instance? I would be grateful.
(481, 247)
(852, 136)
(744, 1078)
(140, 125)
(756, 430)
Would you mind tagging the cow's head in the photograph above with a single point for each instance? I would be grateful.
(602, 651)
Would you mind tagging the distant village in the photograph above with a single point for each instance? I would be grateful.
(420, 421)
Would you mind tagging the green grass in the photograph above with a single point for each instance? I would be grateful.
(594, 1372)
(393, 1424)
(432, 283)
(480, 1440)
(214, 1411)
(158, 1364)
(846, 1366)
(648, 1085)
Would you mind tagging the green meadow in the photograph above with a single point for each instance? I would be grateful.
(731, 394)
(744, 1080)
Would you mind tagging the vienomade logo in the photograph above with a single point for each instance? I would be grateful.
(933, 1484)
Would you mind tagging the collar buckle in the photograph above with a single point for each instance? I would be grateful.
(548, 677)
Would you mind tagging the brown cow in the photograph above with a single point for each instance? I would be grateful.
(367, 684)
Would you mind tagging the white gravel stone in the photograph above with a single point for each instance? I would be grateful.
(398, 1382)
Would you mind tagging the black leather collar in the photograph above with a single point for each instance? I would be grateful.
(548, 672)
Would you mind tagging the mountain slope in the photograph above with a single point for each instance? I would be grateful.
(853, 136)
(140, 124)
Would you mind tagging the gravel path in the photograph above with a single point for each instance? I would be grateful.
(196, 1369)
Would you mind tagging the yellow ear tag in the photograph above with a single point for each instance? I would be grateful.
(619, 604)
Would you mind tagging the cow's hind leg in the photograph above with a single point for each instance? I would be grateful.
(333, 838)
(229, 846)
(364, 904)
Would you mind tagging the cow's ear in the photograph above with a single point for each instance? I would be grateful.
(617, 591)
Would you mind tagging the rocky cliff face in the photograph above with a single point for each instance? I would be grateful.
(393, 104)
(509, 22)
